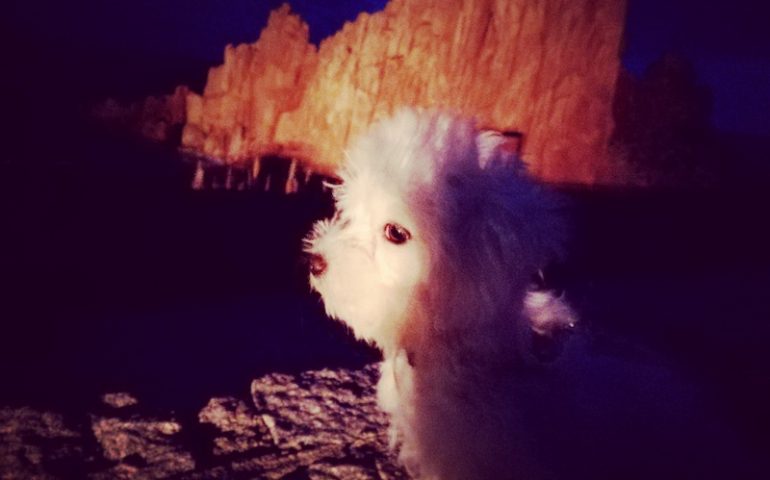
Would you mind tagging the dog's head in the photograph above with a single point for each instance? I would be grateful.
(437, 230)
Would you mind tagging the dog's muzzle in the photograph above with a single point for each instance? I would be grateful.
(317, 264)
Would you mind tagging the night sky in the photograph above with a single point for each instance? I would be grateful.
(155, 44)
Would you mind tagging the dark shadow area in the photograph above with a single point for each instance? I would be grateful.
(118, 277)
(685, 273)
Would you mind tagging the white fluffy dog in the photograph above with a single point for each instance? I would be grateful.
(437, 237)
(430, 256)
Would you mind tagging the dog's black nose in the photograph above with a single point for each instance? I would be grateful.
(317, 264)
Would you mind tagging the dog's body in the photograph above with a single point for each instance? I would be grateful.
(438, 235)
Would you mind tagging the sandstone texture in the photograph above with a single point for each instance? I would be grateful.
(545, 69)
(316, 425)
(236, 116)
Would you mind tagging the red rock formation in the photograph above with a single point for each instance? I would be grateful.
(235, 118)
(547, 69)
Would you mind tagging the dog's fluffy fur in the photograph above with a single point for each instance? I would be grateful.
(437, 236)
(450, 307)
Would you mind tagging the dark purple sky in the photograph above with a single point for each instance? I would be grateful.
(728, 42)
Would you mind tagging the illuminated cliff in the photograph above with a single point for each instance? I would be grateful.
(235, 119)
(544, 68)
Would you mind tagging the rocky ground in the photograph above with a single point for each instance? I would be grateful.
(320, 424)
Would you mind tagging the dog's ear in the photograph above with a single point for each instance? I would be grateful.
(498, 149)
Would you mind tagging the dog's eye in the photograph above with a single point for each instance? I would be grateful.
(396, 234)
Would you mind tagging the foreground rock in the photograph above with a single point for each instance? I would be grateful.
(317, 425)
(40, 445)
